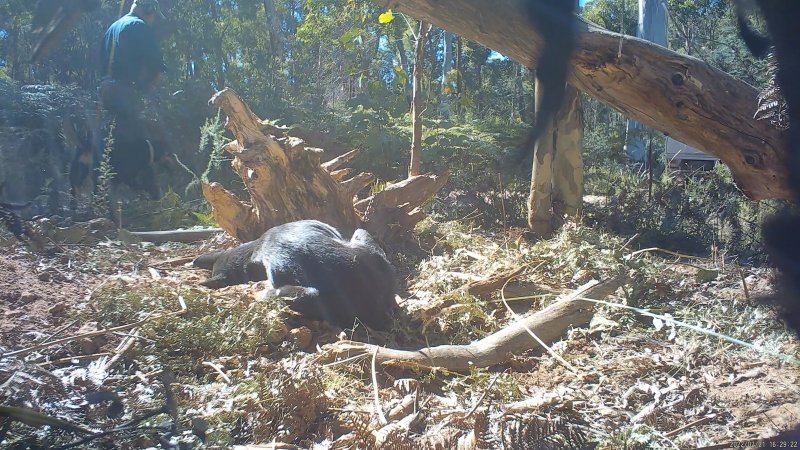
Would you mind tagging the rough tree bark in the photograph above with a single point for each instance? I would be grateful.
(568, 162)
(676, 94)
(557, 174)
(286, 181)
(540, 205)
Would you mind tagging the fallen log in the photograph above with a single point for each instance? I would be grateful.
(482, 288)
(548, 324)
(679, 95)
(160, 237)
(492, 283)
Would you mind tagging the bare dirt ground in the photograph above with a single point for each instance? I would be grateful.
(35, 294)
(243, 374)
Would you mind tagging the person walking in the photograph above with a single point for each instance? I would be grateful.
(132, 65)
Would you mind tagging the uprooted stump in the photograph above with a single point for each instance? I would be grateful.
(286, 181)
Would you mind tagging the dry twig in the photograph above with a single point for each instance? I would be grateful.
(129, 326)
(378, 409)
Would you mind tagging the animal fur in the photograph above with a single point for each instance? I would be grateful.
(333, 279)
(13, 221)
(782, 233)
(554, 20)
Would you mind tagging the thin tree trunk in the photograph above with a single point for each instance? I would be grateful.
(447, 65)
(14, 54)
(417, 105)
(519, 94)
(274, 29)
(653, 27)
(540, 205)
(220, 51)
(459, 78)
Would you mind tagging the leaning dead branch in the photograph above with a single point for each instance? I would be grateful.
(126, 344)
(160, 237)
(482, 288)
(549, 324)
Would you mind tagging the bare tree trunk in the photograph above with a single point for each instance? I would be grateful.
(557, 175)
(447, 65)
(417, 105)
(568, 161)
(459, 78)
(274, 29)
(540, 204)
(653, 27)
(218, 43)
(13, 36)
(681, 96)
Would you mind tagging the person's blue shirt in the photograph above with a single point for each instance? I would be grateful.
(131, 46)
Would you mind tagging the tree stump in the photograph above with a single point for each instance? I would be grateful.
(287, 181)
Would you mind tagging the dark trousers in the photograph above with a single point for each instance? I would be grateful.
(123, 101)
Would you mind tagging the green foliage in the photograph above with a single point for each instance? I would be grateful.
(212, 139)
(620, 16)
(205, 219)
(385, 145)
(604, 144)
(207, 328)
(169, 212)
(500, 387)
(101, 201)
(638, 437)
(700, 213)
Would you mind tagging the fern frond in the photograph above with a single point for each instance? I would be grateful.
(771, 104)
(535, 432)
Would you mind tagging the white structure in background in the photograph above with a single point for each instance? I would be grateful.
(652, 27)
(683, 157)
